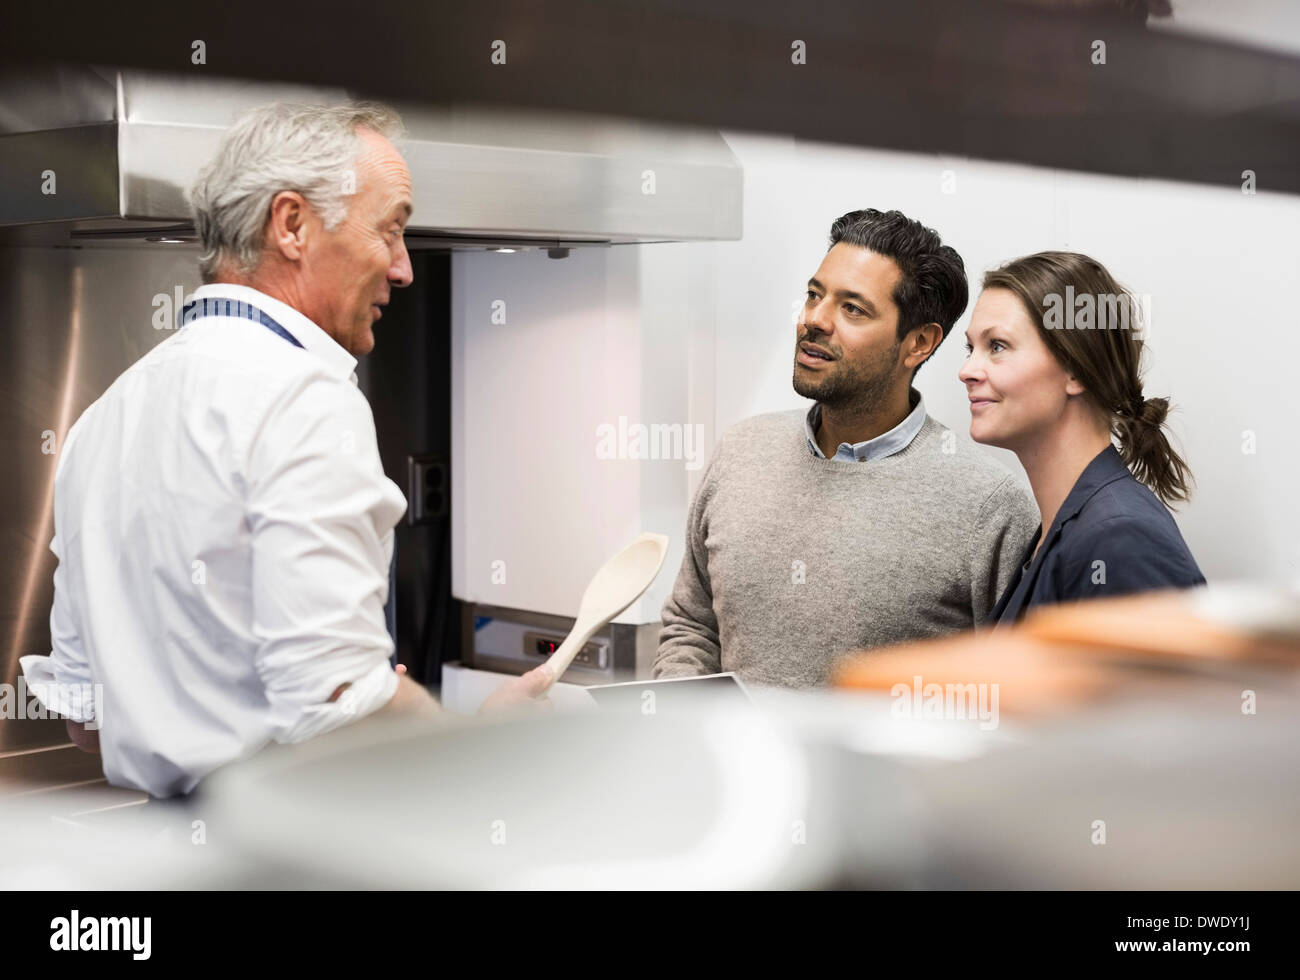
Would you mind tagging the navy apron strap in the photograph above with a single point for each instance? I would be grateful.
(211, 306)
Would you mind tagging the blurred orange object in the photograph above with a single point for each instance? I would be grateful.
(1028, 673)
(1179, 625)
(1075, 652)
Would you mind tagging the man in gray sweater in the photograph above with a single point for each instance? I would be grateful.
(861, 522)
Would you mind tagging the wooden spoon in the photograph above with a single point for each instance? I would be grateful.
(618, 584)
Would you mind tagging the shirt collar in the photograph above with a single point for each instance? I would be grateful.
(885, 444)
(307, 333)
(1106, 467)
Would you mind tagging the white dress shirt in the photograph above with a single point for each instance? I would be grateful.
(223, 528)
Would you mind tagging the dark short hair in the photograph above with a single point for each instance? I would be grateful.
(933, 285)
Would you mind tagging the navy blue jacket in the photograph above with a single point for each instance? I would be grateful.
(1112, 536)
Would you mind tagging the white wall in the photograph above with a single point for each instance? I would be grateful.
(703, 333)
(1271, 24)
(601, 335)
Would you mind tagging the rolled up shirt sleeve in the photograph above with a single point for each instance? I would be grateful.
(321, 514)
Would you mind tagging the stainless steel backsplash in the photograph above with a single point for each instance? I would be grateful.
(73, 319)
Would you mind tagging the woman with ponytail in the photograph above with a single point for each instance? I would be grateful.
(1054, 374)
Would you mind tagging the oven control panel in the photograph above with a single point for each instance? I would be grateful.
(516, 640)
(541, 645)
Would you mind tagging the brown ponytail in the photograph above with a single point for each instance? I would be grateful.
(1104, 354)
(1148, 453)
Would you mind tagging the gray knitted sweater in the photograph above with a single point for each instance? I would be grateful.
(792, 560)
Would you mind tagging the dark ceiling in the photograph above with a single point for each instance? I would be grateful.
(976, 78)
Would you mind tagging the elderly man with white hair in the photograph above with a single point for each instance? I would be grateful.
(222, 521)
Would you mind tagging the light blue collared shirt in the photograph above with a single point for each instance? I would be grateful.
(885, 444)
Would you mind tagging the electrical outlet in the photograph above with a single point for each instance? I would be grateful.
(427, 489)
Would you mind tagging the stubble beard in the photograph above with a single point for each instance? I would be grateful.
(862, 387)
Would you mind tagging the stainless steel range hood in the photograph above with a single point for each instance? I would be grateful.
(118, 149)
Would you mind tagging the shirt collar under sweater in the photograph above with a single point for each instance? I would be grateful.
(885, 444)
